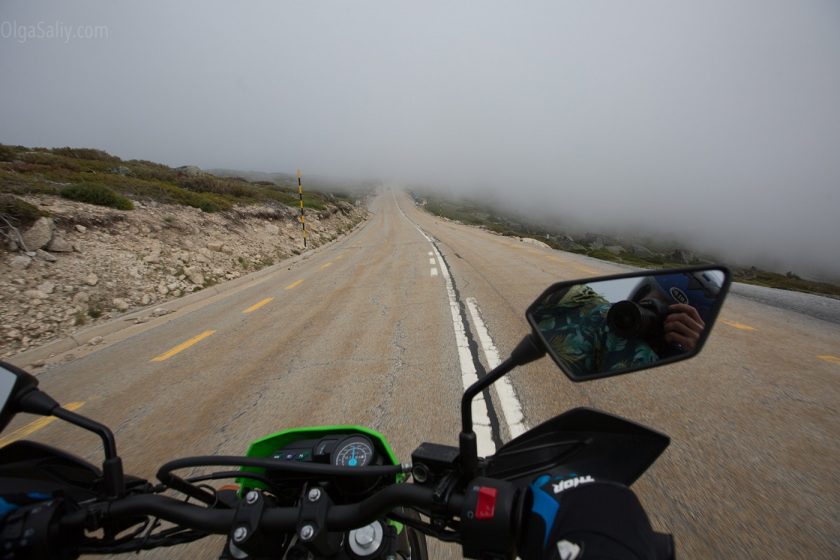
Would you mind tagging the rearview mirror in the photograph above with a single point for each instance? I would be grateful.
(619, 324)
(13, 383)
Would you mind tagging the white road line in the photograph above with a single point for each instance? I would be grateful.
(431, 254)
(434, 271)
(481, 419)
(432, 260)
(511, 407)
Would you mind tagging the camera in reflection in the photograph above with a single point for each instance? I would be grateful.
(645, 319)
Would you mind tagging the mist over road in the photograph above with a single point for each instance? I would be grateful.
(366, 331)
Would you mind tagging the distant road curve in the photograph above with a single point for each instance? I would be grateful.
(819, 307)
(812, 305)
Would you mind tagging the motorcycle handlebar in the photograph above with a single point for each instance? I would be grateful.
(339, 517)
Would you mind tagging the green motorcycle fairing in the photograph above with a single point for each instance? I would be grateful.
(265, 447)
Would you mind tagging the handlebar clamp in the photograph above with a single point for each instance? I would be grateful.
(245, 536)
(315, 505)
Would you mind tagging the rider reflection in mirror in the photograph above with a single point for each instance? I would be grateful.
(575, 322)
(684, 302)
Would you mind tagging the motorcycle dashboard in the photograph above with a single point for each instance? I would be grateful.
(354, 451)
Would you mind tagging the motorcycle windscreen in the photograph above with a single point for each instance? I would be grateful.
(582, 441)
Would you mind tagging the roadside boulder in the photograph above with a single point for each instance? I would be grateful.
(642, 252)
(39, 234)
(44, 255)
(597, 243)
(46, 287)
(59, 245)
(682, 256)
(195, 276)
(20, 262)
(81, 299)
(190, 170)
(35, 294)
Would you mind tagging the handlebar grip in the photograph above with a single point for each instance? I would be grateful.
(34, 531)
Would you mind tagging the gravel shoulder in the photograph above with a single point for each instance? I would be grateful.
(97, 264)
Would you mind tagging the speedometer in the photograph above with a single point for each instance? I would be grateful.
(355, 451)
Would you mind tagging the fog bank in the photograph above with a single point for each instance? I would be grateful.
(713, 122)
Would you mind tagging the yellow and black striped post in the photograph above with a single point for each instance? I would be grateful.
(302, 219)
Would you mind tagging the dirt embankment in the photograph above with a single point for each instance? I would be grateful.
(86, 264)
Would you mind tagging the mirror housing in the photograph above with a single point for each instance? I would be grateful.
(612, 325)
(14, 384)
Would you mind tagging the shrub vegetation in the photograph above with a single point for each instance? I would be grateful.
(18, 212)
(97, 177)
(94, 193)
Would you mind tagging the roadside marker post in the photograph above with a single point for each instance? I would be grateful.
(302, 218)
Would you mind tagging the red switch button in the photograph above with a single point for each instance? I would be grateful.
(485, 508)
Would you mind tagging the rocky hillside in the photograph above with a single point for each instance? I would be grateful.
(80, 264)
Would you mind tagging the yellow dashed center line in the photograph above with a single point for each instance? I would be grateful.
(830, 359)
(326, 265)
(585, 269)
(33, 427)
(182, 346)
(258, 305)
(737, 325)
(294, 284)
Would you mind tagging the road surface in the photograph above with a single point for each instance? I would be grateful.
(383, 327)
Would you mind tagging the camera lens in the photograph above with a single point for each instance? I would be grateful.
(629, 319)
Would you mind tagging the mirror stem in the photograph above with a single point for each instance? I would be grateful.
(38, 402)
(112, 470)
(526, 351)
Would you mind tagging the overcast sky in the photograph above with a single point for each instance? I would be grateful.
(714, 122)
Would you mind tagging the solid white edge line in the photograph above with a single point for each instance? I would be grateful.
(511, 407)
(481, 419)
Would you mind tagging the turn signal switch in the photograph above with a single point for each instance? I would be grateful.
(489, 519)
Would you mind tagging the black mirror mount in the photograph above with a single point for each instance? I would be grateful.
(528, 350)
(21, 393)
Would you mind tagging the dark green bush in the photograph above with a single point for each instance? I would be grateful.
(19, 212)
(85, 153)
(210, 184)
(94, 193)
(7, 153)
(165, 192)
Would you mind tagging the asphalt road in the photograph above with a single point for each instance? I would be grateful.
(366, 331)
